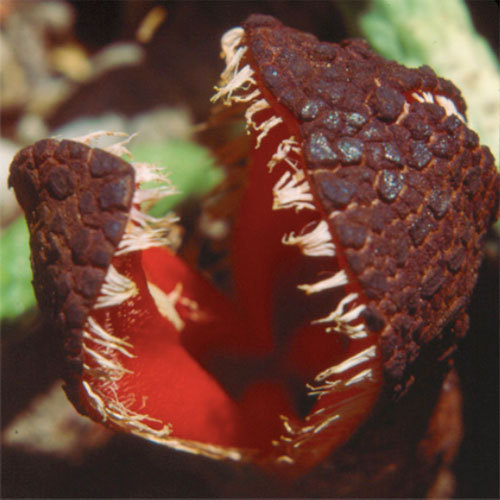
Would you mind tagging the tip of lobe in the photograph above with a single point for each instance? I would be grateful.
(260, 21)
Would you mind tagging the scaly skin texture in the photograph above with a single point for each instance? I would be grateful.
(408, 190)
(76, 200)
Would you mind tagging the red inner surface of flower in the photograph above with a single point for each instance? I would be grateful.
(267, 274)
(224, 370)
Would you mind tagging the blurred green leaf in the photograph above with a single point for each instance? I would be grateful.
(191, 169)
(441, 34)
(16, 292)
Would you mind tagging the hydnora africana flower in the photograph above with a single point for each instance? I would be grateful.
(357, 211)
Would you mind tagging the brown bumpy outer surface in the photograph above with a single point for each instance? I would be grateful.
(409, 200)
(76, 200)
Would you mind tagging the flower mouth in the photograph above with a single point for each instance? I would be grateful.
(343, 263)
(273, 375)
(290, 275)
